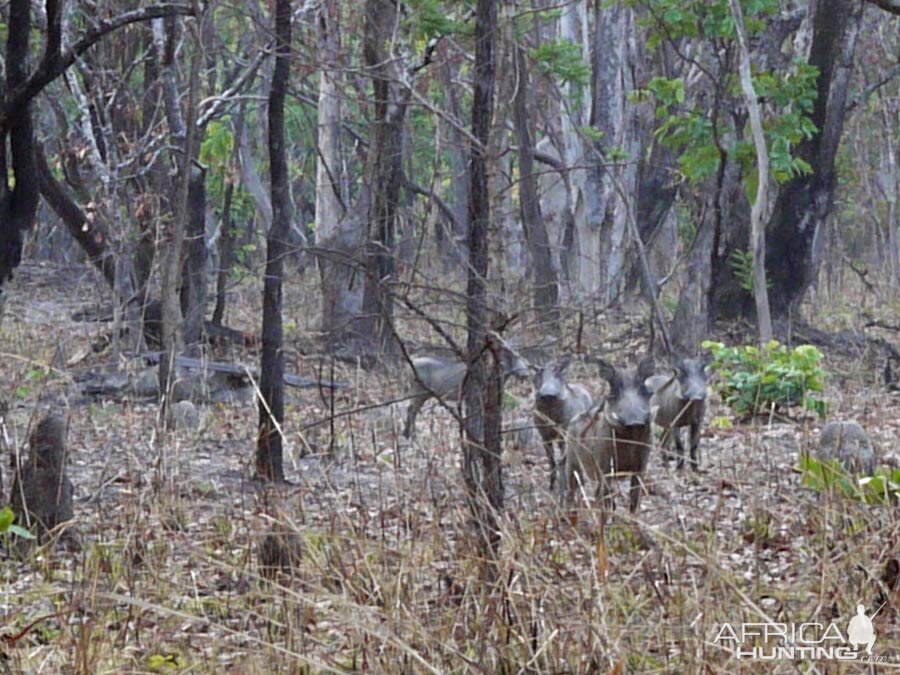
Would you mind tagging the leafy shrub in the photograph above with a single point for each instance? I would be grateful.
(6, 524)
(829, 476)
(754, 380)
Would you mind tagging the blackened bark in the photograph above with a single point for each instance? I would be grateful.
(193, 271)
(18, 204)
(226, 256)
(482, 394)
(545, 281)
(269, 450)
(804, 203)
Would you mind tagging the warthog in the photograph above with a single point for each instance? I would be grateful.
(612, 439)
(556, 404)
(441, 377)
(849, 443)
(679, 400)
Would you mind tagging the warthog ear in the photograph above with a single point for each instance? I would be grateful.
(657, 382)
(563, 363)
(645, 368)
(607, 371)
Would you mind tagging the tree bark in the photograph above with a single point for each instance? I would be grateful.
(384, 174)
(757, 231)
(804, 203)
(18, 203)
(91, 236)
(193, 272)
(337, 234)
(183, 135)
(544, 277)
(226, 242)
(482, 394)
(604, 234)
(269, 447)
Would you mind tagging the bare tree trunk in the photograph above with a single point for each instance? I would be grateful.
(384, 171)
(193, 274)
(605, 228)
(581, 258)
(544, 278)
(459, 168)
(269, 450)
(183, 137)
(482, 394)
(337, 235)
(757, 229)
(226, 241)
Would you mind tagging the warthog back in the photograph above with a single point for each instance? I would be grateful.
(849, 444)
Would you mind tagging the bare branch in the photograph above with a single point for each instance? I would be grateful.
(55, 63)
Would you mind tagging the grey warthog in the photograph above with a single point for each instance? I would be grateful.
(441, 377)
(556, 404)
(679, 400)
(849, 443)
(612, 439)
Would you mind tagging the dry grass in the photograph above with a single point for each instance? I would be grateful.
(388, 579)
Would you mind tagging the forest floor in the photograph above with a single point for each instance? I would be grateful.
(168, 580)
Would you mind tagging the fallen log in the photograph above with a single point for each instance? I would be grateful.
(152, 358)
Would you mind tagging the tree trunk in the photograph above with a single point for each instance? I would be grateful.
(193, 274)
(226, 241)
(604, 238)
(182, 135)
(757, 233)
(91, 236)
(384, 172)
(460, 171)
(269, 451)
(804, 203)
(544, 277)
(581, 257)
(18, 204)
(482, 395)
(336, 235)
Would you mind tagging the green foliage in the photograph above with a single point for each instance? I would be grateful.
(7, 517)
(829, 476)
(754, 380)
(562, 59)
(742, 265)
(428, 19)
(698, 134)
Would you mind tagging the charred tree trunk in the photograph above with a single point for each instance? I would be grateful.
(482, 390)
(544, 277)
(18, 203)
(795, 229)
(193, 271)
(269, 450)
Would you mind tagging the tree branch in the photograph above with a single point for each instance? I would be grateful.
(53, 65)
(892, 6)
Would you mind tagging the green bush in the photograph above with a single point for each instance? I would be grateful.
(6, 524)
(829, 476)
(753, 380)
